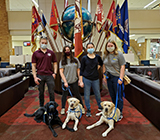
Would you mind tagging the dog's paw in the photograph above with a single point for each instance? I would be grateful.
(98, 114)
(75, 128)
(88, 127)
(55, 134)
(63, 126)
(104, 134)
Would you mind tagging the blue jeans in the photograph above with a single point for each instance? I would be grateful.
(87, 89)
(112, 87)
(50, 84)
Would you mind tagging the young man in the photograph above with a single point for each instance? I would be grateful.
(45, 62)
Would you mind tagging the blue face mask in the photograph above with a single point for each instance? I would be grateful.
(91, 50)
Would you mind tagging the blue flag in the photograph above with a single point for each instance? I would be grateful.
(124, 27)
(44, 20)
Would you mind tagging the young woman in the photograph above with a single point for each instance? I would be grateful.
(114, 65)
(69, 68)
(90, 64)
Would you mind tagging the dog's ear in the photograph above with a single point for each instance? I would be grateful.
(56, 105)
(102, 103)
(113, 105)
(68, 100)
(77, 101)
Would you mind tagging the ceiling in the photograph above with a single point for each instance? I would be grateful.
(25, 5)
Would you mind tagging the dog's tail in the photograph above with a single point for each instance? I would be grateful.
(29, 115)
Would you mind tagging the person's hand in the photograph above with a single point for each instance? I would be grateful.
(120, 81)
(104, 79)
(54, 75)
(36, 80)
(81, 84)
(66, 84)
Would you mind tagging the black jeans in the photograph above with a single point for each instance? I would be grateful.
(76, 93)
(49, 80)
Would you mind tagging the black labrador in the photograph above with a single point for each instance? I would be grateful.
(49, 115)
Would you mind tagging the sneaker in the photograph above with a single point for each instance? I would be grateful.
(100, 109)
(83, 111)
(88, 114)
(120, 117)
(63, 111)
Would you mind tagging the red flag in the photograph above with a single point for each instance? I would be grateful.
(65, 3)
(53, 19)
(35, 19)
(78, 29)
(100, 16)
(112, 15)
(35, 23)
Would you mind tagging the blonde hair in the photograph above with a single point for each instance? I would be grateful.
(106, 52)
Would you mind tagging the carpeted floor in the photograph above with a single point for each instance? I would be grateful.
(15, 126)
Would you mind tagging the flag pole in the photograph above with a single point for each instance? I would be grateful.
(92, 28)
(49, 39)
(103, 42)
(101, 34)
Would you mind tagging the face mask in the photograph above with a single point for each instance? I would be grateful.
(111, 49)
(91, 50)
(68, 53)
(43, 46)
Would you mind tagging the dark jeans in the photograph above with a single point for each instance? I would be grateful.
(49, 80)
(112, 87)
(76, 93)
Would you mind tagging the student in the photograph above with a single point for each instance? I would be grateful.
(42, 60)
(90, 64)
(69, 68)
(114, 65)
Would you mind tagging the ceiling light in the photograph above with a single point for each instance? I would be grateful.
(149, 4)
(132, 35)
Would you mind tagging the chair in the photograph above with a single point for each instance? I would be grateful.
(18, 68)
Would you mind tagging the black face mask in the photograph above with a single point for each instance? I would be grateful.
(68, 53)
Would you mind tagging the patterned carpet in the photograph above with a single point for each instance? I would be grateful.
(15, 126)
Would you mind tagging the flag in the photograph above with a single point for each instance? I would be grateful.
(53, 19)
(65, 3)
(44, 22)
(106, 29)
(78, 29)
(124, 27)
(112, 16)
(100, 16)
(48, 33)
(35, 24)
(118, 22)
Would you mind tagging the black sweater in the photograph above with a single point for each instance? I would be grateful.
(89, 67)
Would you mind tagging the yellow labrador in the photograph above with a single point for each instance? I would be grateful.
(74, 112)
(109, 115)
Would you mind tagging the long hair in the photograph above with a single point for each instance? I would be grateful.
(64, 57)
(106, 52)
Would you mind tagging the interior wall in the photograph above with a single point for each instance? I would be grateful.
(5, 42)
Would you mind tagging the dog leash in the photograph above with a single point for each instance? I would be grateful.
(118, 94)
(73, 111)
(67, 88)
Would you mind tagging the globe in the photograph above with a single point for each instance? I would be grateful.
(67, 28)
